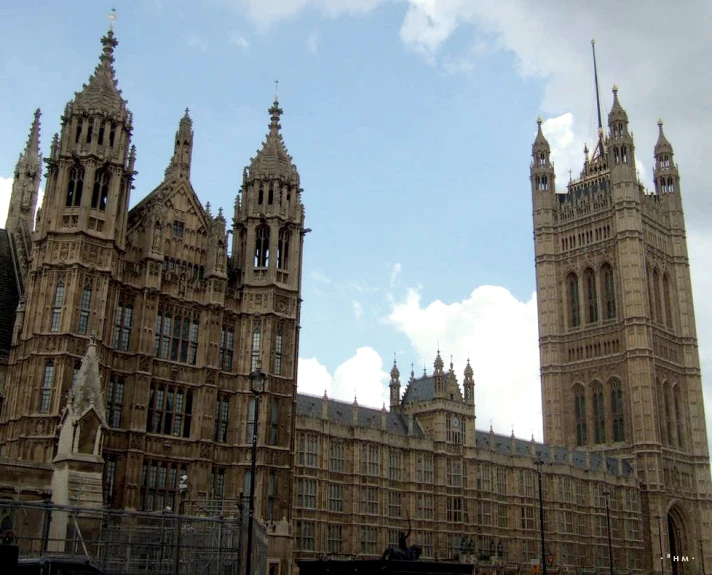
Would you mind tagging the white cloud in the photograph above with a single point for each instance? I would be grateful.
(239, 41)
(394, 273)
(5, 189)
(194, 41)
(499, 335)
(357, 309)
(313, 44)
(360, 376)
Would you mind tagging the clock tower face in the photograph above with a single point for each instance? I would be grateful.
(455, 422)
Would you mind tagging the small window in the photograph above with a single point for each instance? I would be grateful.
(178, 229)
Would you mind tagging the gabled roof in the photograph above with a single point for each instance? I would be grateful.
(161, 196)
(422, 389)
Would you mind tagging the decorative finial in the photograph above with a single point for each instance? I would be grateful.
(660, 123)
(394, 358)
(112, 18)
(538, 120)
(276, 90)
(570, 176)
(615, 89)
(593, 41)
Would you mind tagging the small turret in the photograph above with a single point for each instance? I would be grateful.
(395, 385)
(542, 170)
(620, 140)
(666, 174)
(469, 385)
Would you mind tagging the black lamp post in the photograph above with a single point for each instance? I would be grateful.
(607, 494)
(539, 465)
(182, 488)
(660, 539)
(257, 387)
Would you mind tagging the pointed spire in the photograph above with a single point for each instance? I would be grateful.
(86, 390)
(33, 140)
(275, 114)
(617, 113)
(412, 372)
(273, 159)
(662, 145)
(101, 93)
(469, 374)
(183, 149)
(395, 372)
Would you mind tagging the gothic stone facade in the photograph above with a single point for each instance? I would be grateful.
(619, 357)
(183, 310)
(181, 320)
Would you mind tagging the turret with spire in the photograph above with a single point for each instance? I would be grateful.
(23, 198)
(90, 172)
(469, 385)
(395, 385)
(667, 178)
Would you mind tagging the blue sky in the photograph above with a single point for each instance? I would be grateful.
(411, 123)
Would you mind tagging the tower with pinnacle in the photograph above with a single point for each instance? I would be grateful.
(619, 359)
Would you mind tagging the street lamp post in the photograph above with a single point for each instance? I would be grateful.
(607, 494)
(182, 488)
(257, 387)
(660, 540)
(539, 465)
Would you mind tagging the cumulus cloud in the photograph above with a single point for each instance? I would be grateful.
(499, 335)
(360, 376)
(5, 189)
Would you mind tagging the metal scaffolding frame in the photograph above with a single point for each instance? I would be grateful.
(201, 541)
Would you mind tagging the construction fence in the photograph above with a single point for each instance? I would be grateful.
(199, 541)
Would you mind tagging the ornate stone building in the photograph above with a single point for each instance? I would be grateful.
(171, 309)
(183, 309)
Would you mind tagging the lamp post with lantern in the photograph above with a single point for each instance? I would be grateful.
(257, 387)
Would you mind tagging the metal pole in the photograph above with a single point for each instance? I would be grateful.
(702, 556)
(250, 520)
(539, 464)
(45, 531)
(660, 538)
(182, 486)
(608, 521)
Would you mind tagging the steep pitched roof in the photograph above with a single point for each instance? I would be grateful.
(273, 160)
(86, 393)
(421, 389)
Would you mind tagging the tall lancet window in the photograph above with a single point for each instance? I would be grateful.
(668, 301)
(100, 193)
(278, 351)
(85, 309)
(580, 413)
(56, 317)
(599, 415)
(677, 403)
(262, 247)
(573, 297)
(283, 249)
(609, 292)
(47, 384)
(589, 280)
(256, 346)
(617, 411)
(656, 296)
(75, 184)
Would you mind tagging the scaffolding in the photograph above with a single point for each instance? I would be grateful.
(201, 541)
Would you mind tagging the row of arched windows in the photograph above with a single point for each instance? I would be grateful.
(597, 292)
(659, 297)
(262, 248)
(620, 156)
(606, 404)
(270, 196)
(100, 190)
(542, 183)
(90, 133)
(666, 185)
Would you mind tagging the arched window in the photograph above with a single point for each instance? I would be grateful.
(270, 195)
(74, 186)
(112, 135)
(573, 297)
(78, 133)
(617, 411)
(261, 196)
(599, 415)
(84, 309)
(278, 351)
(677, 404)
(256, 347)
(283, 249)
(47, 384)
(580, 412)
(609, 292)
(100, 192)
(616, 156)
(624, 155)
(656, 296)
(663, 187)
(56, 317)
(666, 298)
(589, 280)
(668, 414)
(262, 247)
(670, 186)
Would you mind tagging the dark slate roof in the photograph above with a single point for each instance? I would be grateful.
(422, 389)
(341, 412)
(555, 455)
(8, 293)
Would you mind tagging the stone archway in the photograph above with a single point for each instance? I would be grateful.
(678, 541)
